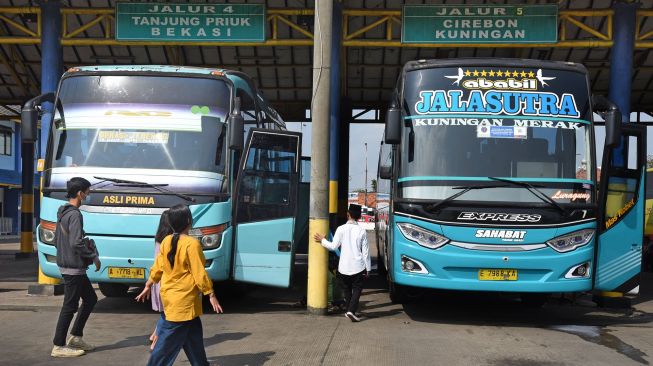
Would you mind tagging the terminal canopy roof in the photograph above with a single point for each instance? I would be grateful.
(284, 71)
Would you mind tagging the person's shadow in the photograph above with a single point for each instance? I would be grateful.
(249, 359)
(125, 343)
(223, 337)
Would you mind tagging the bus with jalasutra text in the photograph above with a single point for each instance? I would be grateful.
(491, 169)
(150, 137)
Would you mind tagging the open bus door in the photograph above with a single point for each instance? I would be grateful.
(266, 207)
(621, 220)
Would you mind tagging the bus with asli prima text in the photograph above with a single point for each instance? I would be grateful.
(150, 137)
(491, 169)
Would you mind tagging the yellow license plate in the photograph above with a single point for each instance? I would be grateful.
(497, 274)
(126, 272)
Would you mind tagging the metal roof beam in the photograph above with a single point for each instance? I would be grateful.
(584, 22)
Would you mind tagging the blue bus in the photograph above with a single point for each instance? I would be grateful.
(491, 169)
(150, 137)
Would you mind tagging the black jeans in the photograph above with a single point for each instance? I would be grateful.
(353, 286)
(75, 287)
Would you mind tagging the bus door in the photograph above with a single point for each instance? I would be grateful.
(621, 221)
(266, 207)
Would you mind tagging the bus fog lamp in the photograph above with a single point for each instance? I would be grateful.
(421, 236)
(411, 265)
(569, 242)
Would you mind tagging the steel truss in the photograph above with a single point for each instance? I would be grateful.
(591, 28)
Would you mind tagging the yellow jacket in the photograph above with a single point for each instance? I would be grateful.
(183, 284)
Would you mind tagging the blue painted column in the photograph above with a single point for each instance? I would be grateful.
(621, 63)
(52, 62)
(334, 139)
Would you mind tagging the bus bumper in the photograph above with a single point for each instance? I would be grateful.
(141, 255)
(455, 268)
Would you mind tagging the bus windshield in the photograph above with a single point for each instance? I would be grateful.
(141, 122)
(465, 125)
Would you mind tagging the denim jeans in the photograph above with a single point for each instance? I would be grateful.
(75, 287)
(173, 336)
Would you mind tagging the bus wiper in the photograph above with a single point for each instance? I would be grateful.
(535, 191)
(144, 184)
(432, 207)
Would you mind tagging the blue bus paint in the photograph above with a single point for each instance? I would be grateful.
(130, 192)
(535, 229)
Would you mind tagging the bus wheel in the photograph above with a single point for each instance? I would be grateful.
(380, 260)
(113, 289)
(397, 292)
(534, 300)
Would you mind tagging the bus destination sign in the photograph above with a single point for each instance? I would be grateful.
(479, 24)
(190, 22)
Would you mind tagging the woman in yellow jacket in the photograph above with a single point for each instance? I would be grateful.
(180, 269)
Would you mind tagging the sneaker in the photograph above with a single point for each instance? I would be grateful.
(64, 351)
(352, 317)
(78, 343)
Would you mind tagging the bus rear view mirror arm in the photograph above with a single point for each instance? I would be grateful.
(393, 126)
(612, 116)
(236, 127)
(29, 116)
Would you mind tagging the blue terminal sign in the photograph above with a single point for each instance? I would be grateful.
(479, 24)
(190, 22)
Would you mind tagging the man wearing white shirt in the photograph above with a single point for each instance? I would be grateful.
(355, 262)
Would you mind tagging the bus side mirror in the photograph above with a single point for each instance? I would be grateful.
(236, 132)
(612, 116)
(236, 127)
(29, 116)
(385, 172)
(393, 126)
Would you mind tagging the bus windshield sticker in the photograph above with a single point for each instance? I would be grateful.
(168, 117)
(571, 196)
(501, 132)
(134, 137)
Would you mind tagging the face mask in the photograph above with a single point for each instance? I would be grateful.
(87, 199)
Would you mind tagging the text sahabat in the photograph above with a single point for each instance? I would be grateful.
(417, 122)
(497, 102)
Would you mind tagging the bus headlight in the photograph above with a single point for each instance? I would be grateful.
(421, 236)
(571, 241)
(47, 231)
(210, 236)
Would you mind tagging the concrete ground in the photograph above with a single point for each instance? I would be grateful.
(266, 326)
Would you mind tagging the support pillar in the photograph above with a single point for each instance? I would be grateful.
(334, 137)
(621, 62)
(52, 62)
(51, 70)
(343, 174)
(319, 199)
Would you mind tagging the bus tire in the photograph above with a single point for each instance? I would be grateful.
(397, 292)
(113, 289)
(534, 300)
(380, 260)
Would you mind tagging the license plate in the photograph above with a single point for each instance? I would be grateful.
(126, 272)
(497, 274)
